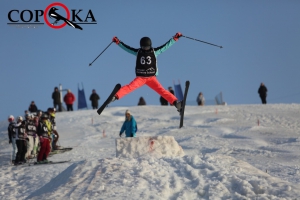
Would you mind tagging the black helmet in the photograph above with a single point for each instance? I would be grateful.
(44, 116)
(145, 41)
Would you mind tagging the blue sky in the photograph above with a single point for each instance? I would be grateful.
(261, 41)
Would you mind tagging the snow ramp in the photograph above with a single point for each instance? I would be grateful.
(156, 146)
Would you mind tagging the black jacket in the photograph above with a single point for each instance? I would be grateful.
(33, 108)
(262, 90)
(142, 102)
(11, 130)
(94, 99)
(56, 97)
(163, 101)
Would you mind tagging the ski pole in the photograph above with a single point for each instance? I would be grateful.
(11, 153)
(100, 54)
(202, 41)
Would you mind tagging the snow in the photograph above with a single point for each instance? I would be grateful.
(157, 146)
(229, 152)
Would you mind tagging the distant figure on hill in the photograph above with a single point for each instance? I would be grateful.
(262, 91)
(163, 101)
(200, 99)
(142, 102)
(171, 90)
(32, 107)
(129, 125)
(56, 99)
(69, 100)
(94, 98)
(26, 112)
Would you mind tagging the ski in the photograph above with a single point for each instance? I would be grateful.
(112, 94)
(63, 149)
(187, 85)
(57, 151)
(51, 162)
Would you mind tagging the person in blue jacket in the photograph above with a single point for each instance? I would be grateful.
(129, 125)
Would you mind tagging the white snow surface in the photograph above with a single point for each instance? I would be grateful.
(227, 155)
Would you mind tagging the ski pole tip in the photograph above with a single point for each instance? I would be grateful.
(90, 64)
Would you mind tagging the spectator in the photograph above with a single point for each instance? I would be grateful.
(69, 99)
(171, 90)
(12, 135)
(263, 93)
(129, 125)
(94, 98)
(25, 113)
(200, 99)
(54, 136)
(32, 107)
(163, 101)
(142, 102)
(20, 141)
(43, 133)
(56, 99)
(30, 127)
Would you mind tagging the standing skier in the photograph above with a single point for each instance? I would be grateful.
(54, 134)
(31, 134)
(21, 141)
(146, 68)
(43, 133)
(12, 135)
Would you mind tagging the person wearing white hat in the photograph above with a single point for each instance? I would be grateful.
(21, 137)
(129, 125)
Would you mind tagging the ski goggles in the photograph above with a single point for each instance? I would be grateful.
(146, 47)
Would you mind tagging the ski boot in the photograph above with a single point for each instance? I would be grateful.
(113, 99)
(178, 105)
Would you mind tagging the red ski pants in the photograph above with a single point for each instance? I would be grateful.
(44, 150)
(152, 82)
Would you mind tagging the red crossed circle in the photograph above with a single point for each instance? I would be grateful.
(48, 8)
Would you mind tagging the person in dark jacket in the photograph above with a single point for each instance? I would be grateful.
(200, 99)
(32, 107)
(163, 101)
(56, 99)
(129, 125)
(21, 141)
(171, 90)
(94, 98)
(12, 135)
(69, 99)
(262, 91)
(141, 102)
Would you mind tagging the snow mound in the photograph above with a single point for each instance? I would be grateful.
(155, 146)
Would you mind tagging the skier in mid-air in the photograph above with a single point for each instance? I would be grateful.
(146, 69)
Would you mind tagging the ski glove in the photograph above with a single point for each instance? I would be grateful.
(116, 40)
(120, 134)
(9, 142)
(177, 36)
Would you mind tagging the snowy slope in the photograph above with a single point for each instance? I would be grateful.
(227, 156)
